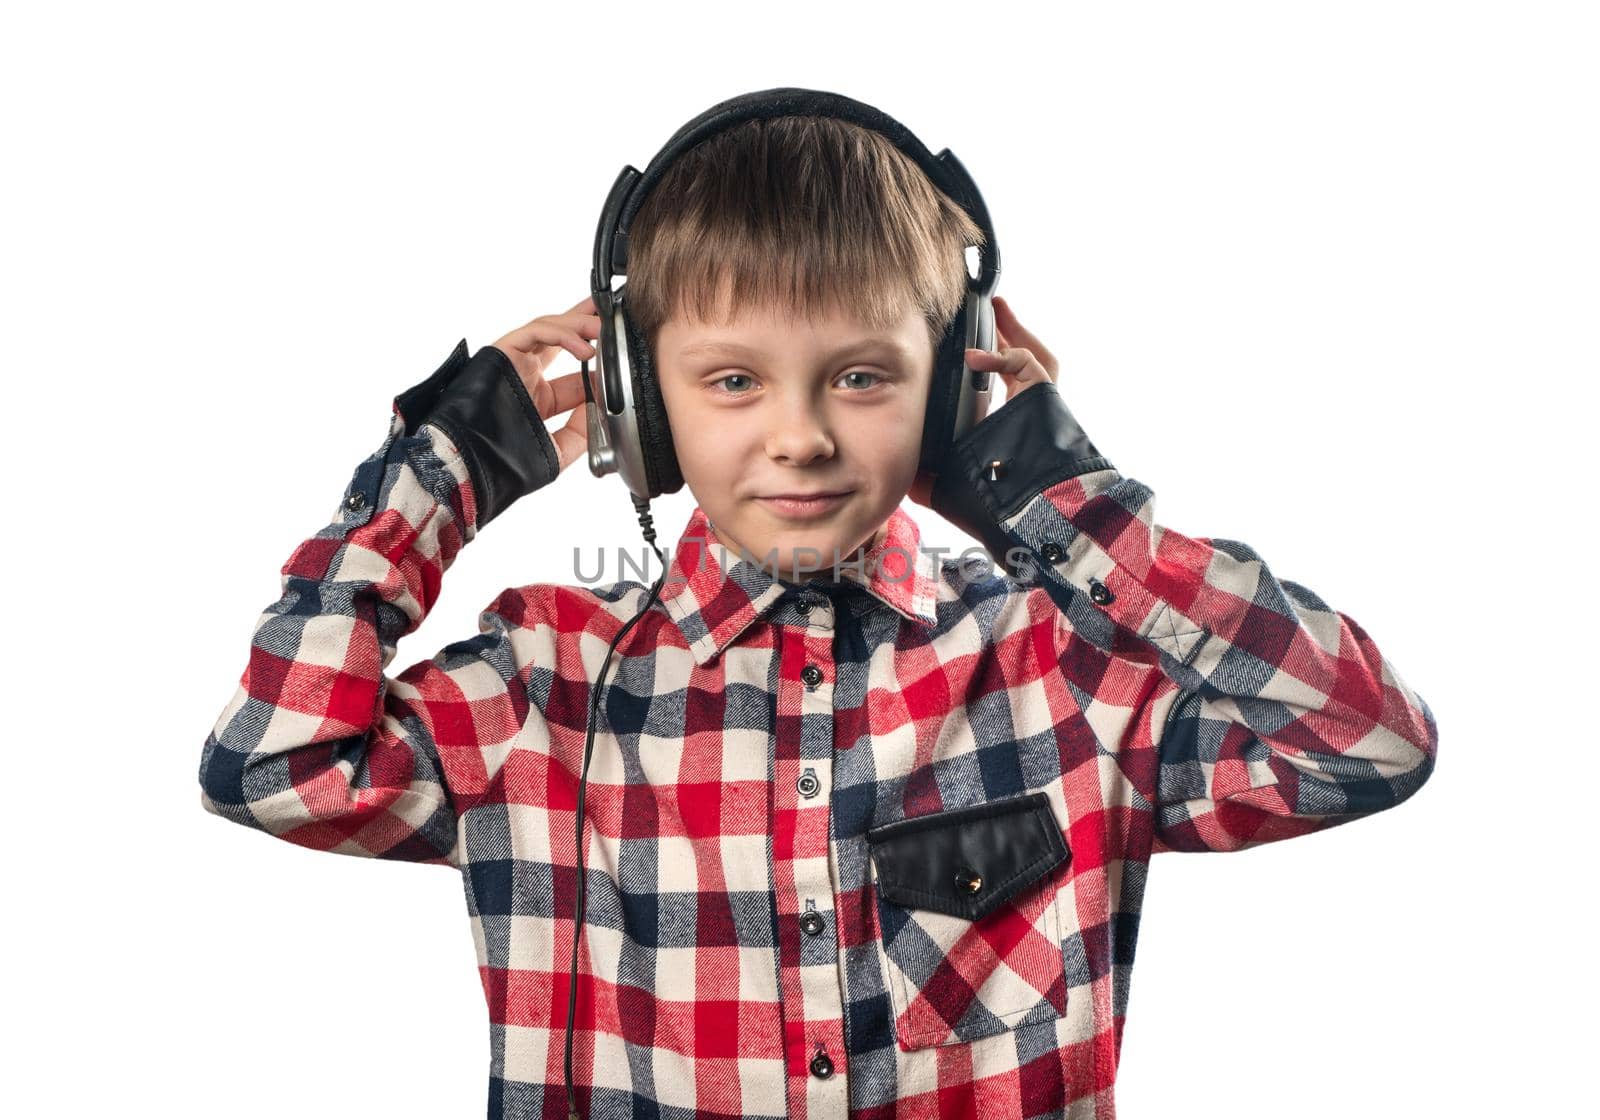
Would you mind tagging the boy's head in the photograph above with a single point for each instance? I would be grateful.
(793, 277)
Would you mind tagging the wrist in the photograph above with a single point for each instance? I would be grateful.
(482, 405)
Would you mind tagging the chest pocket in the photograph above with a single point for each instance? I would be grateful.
(971, 936)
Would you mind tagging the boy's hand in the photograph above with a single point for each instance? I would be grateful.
(1021, 367)
(533, 346)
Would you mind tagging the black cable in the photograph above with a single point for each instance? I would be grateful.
(643, 507)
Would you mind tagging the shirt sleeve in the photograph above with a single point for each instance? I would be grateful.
(1257, 712)
(317, 746)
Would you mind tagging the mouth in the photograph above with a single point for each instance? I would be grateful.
(802, 507)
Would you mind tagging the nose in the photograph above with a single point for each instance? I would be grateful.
(798, 434)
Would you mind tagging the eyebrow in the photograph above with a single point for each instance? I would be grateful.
(712, 348)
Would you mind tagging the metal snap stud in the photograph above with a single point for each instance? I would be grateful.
(968, 881)
(356, 500)
(995, 469)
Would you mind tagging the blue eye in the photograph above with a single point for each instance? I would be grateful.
(731, 377)
(862, 373)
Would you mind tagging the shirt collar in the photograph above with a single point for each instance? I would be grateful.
(713, 593)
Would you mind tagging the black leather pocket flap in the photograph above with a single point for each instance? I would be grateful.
(967, 862)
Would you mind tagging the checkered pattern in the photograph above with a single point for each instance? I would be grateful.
(1165, 692)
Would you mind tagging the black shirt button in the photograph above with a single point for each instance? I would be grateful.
(822, 1065)
(811, 922)
(1052, 552)
(803, 606)
(355, 501)
(811, 675)
(1100, 593)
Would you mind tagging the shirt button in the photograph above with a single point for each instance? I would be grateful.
(811, 675)
(811, 922)
(355, 501)
(808, 785)
(1100, 593)
(1052, 552)
(803, 606)
(822, 1065)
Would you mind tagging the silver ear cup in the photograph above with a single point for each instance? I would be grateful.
(972, 399)
(614, 445)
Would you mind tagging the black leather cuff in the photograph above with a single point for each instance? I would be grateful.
(482, 405)
(1035, 441)
(416, 402)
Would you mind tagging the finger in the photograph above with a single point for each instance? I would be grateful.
(1011, 363)
(1016, 365)
(537, 336)
(567, 393)
(585, 304)
(540, 339)
(571, 439)
(1018, 335)
(1006, 321)
(1048, 368)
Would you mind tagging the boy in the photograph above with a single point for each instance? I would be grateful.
(871, 840)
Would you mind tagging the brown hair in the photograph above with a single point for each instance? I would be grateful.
(813, 213)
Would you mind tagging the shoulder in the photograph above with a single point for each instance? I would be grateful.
(978, 597)
(568, 608)
(548, 622)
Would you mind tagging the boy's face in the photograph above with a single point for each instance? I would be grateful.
(763, 406)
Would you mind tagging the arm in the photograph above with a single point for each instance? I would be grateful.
(317, 746)
(1258, 712)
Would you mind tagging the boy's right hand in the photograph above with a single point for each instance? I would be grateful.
(533, 346)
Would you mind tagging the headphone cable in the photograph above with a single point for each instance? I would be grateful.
(642, 506)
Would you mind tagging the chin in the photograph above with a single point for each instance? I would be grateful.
(825, 543)
(820, 539)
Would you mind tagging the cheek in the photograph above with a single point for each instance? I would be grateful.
(902, 429)
(692, 453)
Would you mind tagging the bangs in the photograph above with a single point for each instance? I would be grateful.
(715, 288)
(808, 216)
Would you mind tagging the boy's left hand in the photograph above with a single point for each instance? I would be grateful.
(1020, 366)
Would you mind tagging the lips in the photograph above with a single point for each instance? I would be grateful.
(804, 507)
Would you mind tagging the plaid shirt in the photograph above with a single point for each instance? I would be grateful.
(762, 939)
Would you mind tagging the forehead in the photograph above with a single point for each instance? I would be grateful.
(759, 330)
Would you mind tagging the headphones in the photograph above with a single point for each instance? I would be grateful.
(628, 430)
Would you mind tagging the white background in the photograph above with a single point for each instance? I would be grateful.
(1322, 275)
